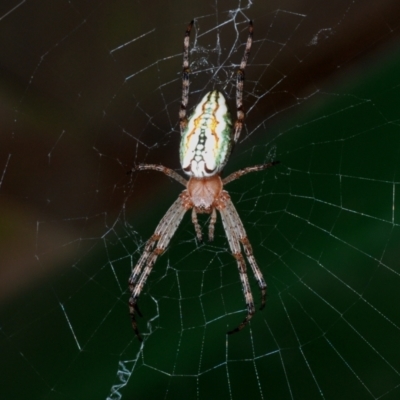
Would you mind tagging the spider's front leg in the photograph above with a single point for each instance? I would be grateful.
(237, 237)
(246, 291)
(155, 246)
(232, 235)
(146, 261)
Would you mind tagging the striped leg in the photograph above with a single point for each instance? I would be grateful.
(239, 85)
(160, 168)
(185, 79)
(241, 172)
(241, 234)
(234, 244)
(155, 246)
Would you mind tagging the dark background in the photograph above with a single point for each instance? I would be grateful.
(89, 88)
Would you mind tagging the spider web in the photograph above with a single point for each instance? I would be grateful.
(89, 89)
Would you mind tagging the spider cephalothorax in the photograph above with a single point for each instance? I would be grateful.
(207, 138)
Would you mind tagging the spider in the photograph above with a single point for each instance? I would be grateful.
(207, 138)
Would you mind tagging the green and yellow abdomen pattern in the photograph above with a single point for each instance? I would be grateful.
(207, 141)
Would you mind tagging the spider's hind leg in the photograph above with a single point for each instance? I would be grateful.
(185, 79)
(240, 114)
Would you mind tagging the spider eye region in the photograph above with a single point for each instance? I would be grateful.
(207, 139)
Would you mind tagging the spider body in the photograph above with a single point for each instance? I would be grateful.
(207, 139)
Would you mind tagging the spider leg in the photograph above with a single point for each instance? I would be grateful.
(160, 168)
(142, 261)
(239, 85)
(185, 79)
(247, 293)
(241, 172)
(256, 270)
(211, 227)
(241, 233)
(234, 245)
(197, 227)
(155, 246)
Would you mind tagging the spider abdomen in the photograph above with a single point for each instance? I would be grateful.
(207, 139)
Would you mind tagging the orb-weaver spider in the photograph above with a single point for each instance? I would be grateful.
(207, 138)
